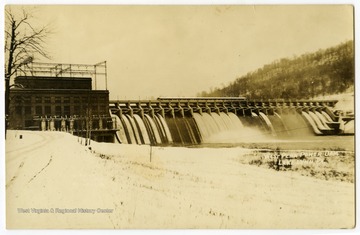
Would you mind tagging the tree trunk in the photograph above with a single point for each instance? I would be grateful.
(8, 75)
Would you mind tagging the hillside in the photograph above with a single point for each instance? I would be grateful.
(324, 72)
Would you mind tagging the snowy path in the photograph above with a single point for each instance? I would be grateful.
(179, 188)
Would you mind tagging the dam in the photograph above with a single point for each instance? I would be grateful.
(75, 98)
(197, 120)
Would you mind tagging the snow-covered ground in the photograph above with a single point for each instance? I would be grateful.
(131, 186)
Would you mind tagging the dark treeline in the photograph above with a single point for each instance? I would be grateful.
(324, 72)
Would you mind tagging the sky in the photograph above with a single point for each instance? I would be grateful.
(154, 51)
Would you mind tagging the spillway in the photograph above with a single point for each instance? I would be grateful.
(192, 121)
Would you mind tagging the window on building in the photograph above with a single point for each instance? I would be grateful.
(76, 99)
(84, 109)
(58, 100)
(28, 123)
(104, 110)
(38, 99)
(84, 100)
(58, 110)
(17, 100)
(77, 110)
(95, 123)
(27, 110)
(18, 110)
(47, 110)
(67, 110)
(94, 109)
(47, 99)
(27, 99)
(93, 99)
(67, 100)
(102, 99)
(38, 110)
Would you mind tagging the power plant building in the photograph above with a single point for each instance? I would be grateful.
(59, 99)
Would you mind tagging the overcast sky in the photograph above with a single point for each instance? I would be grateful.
(154, 51)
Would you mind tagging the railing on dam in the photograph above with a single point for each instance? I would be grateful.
(181, 107)
(217, 119)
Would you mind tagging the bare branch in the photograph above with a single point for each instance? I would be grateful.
(9, 15)
(22, 40)
(18, 69)
(20, 56)
(7, 33)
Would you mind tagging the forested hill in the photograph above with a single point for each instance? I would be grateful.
(323, 72)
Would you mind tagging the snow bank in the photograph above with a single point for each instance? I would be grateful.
(129, 186)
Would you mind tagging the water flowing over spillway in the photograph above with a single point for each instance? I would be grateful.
(218, 126)
(147, 130)
(183, 130)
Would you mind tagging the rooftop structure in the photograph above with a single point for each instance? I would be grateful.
(58, 97)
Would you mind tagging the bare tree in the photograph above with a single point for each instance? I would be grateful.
(22, 43)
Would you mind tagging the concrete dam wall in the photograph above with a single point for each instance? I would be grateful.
(174, 120)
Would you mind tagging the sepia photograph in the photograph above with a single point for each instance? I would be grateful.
(237, 116)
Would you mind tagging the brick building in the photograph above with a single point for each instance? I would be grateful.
(50, 102)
